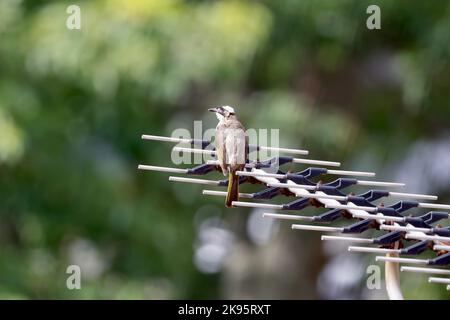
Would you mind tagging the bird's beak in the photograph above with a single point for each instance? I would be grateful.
(213, 109)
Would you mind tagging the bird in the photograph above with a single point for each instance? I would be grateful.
(231, 142)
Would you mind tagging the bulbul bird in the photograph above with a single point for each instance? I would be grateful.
(231, 147)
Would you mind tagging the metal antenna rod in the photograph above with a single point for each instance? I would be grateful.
(351, 207)
(344, 198)
(165, 169)
(256, 205)
(162, 169)
(401, 260)
(287, 216)
(294, 160)
(316, 228)
(286, 150)
(441, 247)
(379, 183)
(194, 150)
(375, 209)
(317, 162)
(299, 193)
(169, 139)
(412, 195)
(372, 250)
(377, 216)
(426, 237)
(434, 206)
(315, 196)
(349, 239)
(268, 180)
(255, 147)
(194, 181)
(224, 193)
(280, 206)
(291, 185)
(404, 228)
(285, 176)
(439, 280)
(351, 173)
(424, 270)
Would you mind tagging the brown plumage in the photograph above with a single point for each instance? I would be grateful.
(231, 147)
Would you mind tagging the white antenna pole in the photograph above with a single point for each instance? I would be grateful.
(351, 173)
(425, 270)
(372, 250)
(377, 216)
(284, 176)
(316, 228)
(349, 239)
(412, 195)
(254, 147)
(351, 207)
(392, 275)
(294, 160)
(434, 206)
(439, 280)
(285, 150)
(287, 216)
(426, 237)
(404, 228)
(168, 139)
(224, 194)
(162, 169)
(190, 150)
(379, 183)
(317, 162)
(441, 247)
(194, 181)
(291, 185)
(401, 260)
(256, 205)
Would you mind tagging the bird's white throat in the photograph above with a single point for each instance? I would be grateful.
(220, 117)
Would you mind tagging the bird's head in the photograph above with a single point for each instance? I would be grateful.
(223, 112)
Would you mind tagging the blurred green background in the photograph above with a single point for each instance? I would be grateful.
(73, 104)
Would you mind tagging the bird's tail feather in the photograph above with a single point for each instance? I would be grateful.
(233, 189)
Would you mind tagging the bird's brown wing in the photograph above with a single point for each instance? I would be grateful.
(220, 148)
(235, 144)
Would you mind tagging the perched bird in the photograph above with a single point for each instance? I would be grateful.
(231, 146)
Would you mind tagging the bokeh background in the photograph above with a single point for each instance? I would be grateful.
(73, 104)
